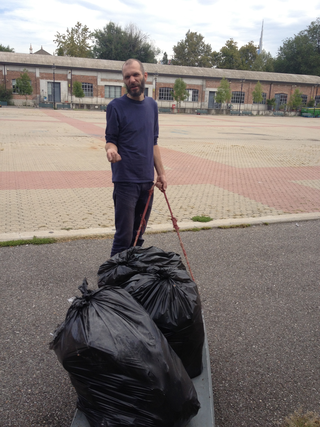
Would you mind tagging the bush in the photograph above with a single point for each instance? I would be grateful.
(310, 103)
(5, 94)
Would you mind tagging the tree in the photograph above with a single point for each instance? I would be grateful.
(179, 91)
(295, 99)
(228, 57)
(248, 54)
(263, 62)
(164, 60)
(119, 44)
(23, 84)
(257, 94)
(76, 42)
(224, 92)
(5, 49)
(300, 54)
(192, 51)
(5, 94)
(77, 90)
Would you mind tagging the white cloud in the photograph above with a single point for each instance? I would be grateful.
(36, 22)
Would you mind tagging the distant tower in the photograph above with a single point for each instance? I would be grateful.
(30, 49)
(260, 43)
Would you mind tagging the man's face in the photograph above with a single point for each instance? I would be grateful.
(134, 80)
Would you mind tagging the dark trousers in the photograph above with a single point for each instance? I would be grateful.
(130, 200)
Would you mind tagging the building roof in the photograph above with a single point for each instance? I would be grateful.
(7, 58)
(42, 52)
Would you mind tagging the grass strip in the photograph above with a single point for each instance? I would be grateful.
(34, 241)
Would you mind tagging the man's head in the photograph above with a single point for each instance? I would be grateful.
(134, 78)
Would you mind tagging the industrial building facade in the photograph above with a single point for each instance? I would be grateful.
(52, 79)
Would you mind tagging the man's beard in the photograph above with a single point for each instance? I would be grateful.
(136, 94)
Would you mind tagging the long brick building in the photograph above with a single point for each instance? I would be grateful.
(52, 79)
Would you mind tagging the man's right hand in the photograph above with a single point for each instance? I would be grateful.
(112, 153)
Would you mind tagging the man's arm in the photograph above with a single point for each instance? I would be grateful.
(112, 152)
(161, 182)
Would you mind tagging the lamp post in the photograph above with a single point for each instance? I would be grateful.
(314, 109)
(241, 81)
(155, 86)
(54, 85)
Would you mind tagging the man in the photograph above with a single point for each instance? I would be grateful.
(131, 146)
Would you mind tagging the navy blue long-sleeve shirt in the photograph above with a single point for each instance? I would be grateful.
(133, 127)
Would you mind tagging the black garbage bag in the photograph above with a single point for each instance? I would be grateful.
(120, 364)
(124, 265)
(173, 302)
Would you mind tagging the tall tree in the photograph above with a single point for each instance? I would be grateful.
(75, 42)
(5, 49)
(263, 62)
(300, 54)
(179, 91)
(192, 51)
(164, 60)
(109, 42)
(23, 84)
(224, 92)
(248, 54)
(115, 43)
(228, 57)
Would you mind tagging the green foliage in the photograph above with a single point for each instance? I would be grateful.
(23, 84)
(5, 49)
(257, 93)
(224, 92)
(301, 54)
(263, 62)
(164, 60)
(34, 241)
(192, 51)
(271, 102)
(232, 58)
(75, 42)
(228, 57)
(5, 94)
(119, 44)
(311, 103)
(295, 99)
(77, 90)
(248, 54)
(179, 91)
(300, 419)
(201, 218)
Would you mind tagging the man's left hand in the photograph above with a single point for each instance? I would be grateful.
(161, 182)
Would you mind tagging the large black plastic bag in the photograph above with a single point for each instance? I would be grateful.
(120, 364)
(173, 302)
(135, 260)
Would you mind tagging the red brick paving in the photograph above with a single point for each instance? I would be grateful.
(272, 186)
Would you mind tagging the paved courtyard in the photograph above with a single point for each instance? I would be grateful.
(55, 177)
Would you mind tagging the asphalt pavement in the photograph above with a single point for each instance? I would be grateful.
(260, 293)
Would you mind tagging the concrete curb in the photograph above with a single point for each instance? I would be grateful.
(160, 228)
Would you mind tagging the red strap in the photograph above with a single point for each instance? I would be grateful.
(175, 225)
(143, 222)
(174, 222)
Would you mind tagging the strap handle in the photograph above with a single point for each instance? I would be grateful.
(174, 222)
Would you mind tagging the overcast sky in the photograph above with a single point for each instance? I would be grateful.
(35, 22)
